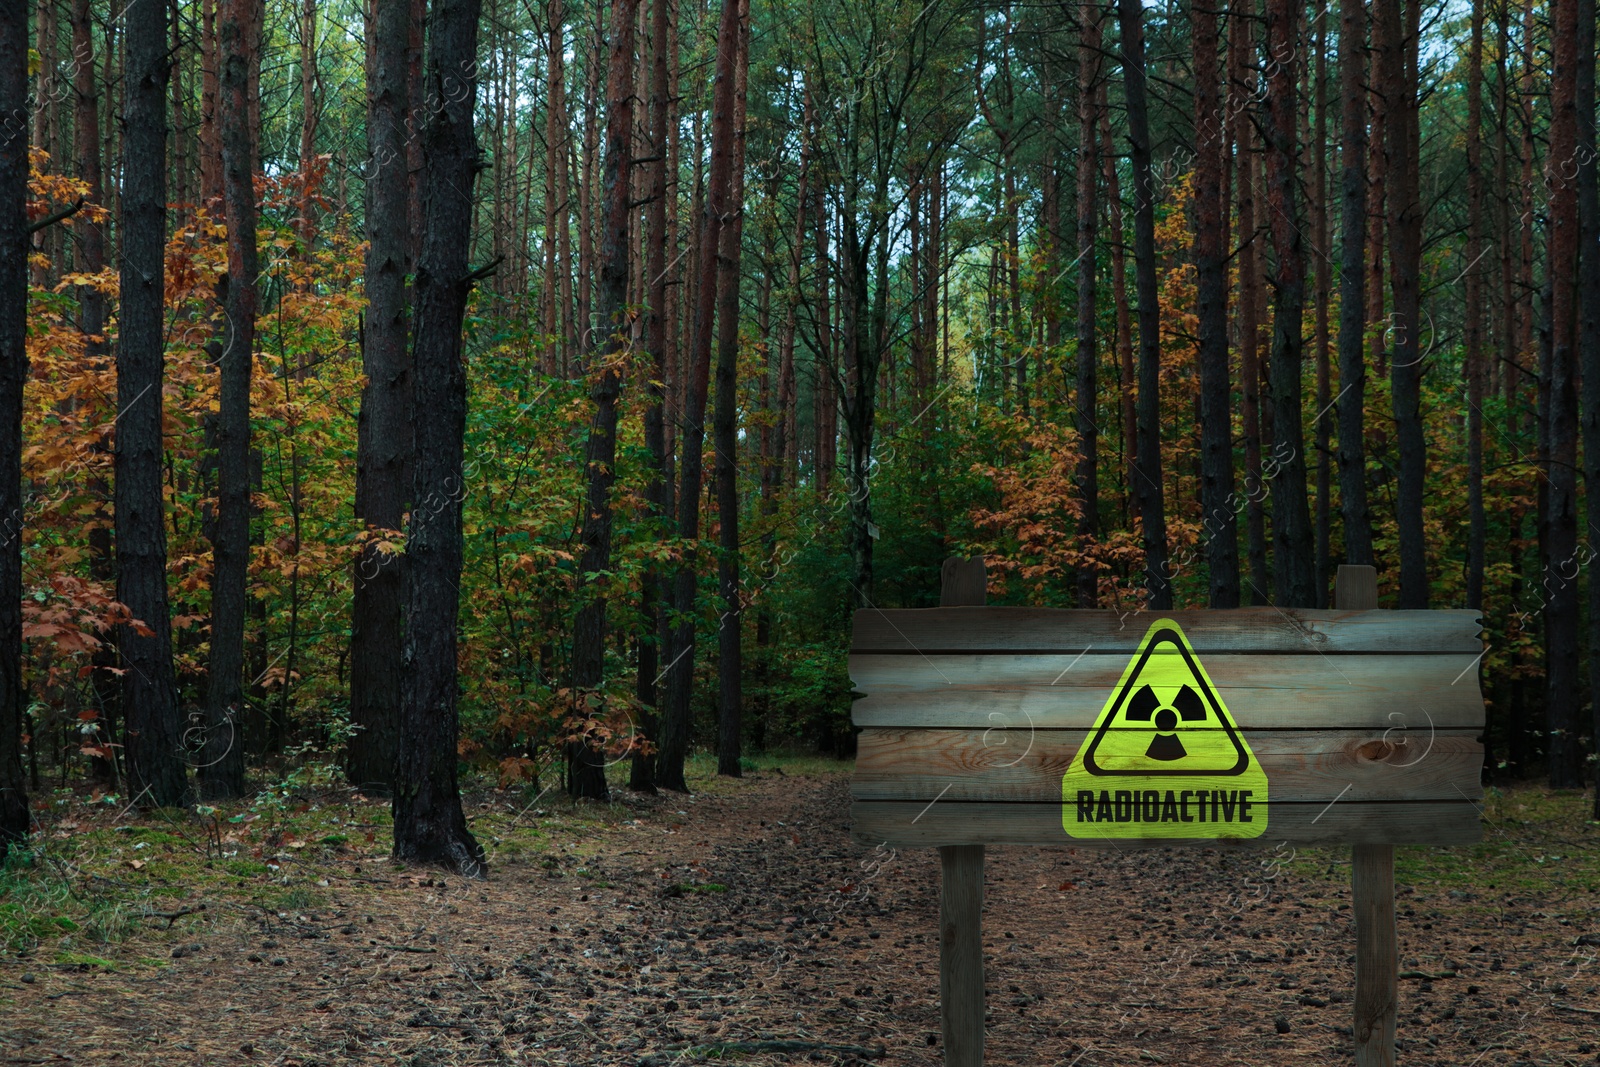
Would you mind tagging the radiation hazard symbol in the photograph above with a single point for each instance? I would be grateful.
(1165, 759)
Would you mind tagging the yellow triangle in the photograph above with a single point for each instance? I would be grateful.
(1165, 758)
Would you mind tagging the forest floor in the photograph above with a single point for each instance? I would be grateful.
(742, 923)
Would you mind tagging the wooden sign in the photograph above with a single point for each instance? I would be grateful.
(1093, 728)
(990, 725)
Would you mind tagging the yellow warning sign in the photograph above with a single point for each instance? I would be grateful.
(1165, 759)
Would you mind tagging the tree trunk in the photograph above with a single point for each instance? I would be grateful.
(1562, 564)
(1293, 561)
(221, 771)
(643, 771)
(154, 726)
(1089, 76)
(1589, 333)
(786, 446)
(1241, 98)
(586, 772)
(1398, 84)
(384, 460)
(1123, 339)
(429, 825)
(1319, 228)
(1147, 487)
(677, 722)
(826, 445)
(587, 151)
(556, 311)
(210, 75)
(1050, 219)
(1473, 357)
(1352, 283)
(14, 819)
(932, 259)
(1220, 527)
(92, 250)
(92, 322)
(730, 624)
(1377, 207)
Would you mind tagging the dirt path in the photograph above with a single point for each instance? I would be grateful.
(748, 916)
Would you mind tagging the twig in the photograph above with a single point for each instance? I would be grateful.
(173, 916)
(407, 948)
(1574, 1007)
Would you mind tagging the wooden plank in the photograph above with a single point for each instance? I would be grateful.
(1061, 708)
(1359, 672)
(909, 824)
(961, 954)
(925, 631)
(1028, 765)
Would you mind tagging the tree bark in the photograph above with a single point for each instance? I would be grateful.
(1294, 572)
(1147, 487)
(586, 773)
(1562, 564)
(92, 250)
(154, 761)
(658, 492)
(1220, 527)
(14, 819)
(1473, 312)
(384, 458)
(1352, 283)
(210, 80)
(221, 770)
(1398, 84)
(92, 323)
(730, 624)
(429, 825)
(1088, 473)
(1589, 331)
(1242, 94)
(677, 722)
(1323, 519)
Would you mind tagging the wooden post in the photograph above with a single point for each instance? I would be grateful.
(964, 583)
(1372, 881)
(961, 954)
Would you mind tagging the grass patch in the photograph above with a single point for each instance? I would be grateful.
(96, 876)
(82, 961)
(700, 770)
(1536, 842)
(45, 899)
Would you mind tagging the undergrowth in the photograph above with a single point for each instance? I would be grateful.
(97, 874)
